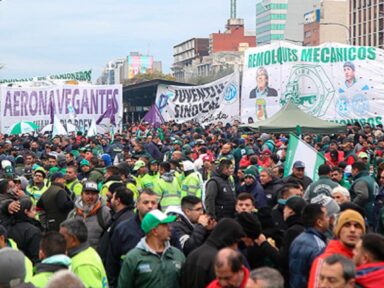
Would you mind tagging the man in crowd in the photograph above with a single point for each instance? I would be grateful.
(220, 196)
(198, 270)
(271, 185)
(86, 263)
(341, 195)
(337, 176)
(308, 245)
(128, 233)
(368, 256)
(91, 209)
(72, 182)
(229, 270)
(55, 204)
(322, 186)
(52, 253)
(252, 186)
(153, 263)
(298, 174)
(363, 189)
(336, 271)
(265, 278)
(192, 226)
(349, 229)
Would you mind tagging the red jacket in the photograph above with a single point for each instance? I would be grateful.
(216, 284)
(370, 275)
(333, 247)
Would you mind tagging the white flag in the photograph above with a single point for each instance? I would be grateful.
(298, 150)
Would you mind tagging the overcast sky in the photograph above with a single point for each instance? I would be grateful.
(43, 37)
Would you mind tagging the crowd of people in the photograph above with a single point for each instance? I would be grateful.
(182, 205)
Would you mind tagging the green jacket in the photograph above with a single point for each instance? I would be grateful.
(46, 269)
(147, 181)
(75, 187)
(87, 265)
(144, 268)
(191, 185)
(96, 175)
(168, 189)
(363, 192)
(28, 263)
(322, 186)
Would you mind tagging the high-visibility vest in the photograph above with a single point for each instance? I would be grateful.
(191, 185)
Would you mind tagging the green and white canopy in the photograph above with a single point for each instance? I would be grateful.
(23, 127)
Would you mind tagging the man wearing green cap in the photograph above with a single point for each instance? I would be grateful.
(153, 263)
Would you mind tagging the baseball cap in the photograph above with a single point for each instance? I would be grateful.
(154, 218)
(299, 164)
(330, 204)
(139, 164)
(90, 186)
(363, 155)
(56, 175)
(84, 163)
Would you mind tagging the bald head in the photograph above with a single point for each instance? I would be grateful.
(229, 268)
(230, 258)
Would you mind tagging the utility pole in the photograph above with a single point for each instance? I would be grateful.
(233, 9)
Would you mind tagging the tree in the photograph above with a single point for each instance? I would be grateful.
(147, 77)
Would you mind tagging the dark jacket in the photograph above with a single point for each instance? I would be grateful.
(362, 193)
(125, 237)
(220, 199)
(306, 181)
(257, 191)
(105, 240)
(272, 191)
(303, 251)
(278, 218)
(281, 257)
(198, 270)
(55, 204)
(152, 149)
(190, 236)
(26, 232)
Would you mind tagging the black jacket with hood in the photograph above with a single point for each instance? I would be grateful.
(198, 270)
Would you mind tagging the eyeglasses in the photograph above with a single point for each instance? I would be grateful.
(197, 209)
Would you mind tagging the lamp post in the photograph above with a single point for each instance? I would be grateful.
(341, 25)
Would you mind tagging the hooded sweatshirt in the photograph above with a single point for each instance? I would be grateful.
(334, 247)
(198, 270)
(47, 267)
(370, 275)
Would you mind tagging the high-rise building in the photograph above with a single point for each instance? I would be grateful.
(328, 23)
(281, 19)
(367, 22)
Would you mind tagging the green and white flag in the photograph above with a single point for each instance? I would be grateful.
(298, 150)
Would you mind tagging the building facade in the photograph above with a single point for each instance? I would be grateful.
(186, 53)
(234, 38)
(367, 22)
(281, 20)
(328, 23)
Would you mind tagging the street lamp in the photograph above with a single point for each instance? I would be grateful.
(341, 25)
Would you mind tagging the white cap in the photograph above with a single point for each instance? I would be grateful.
(188, 166)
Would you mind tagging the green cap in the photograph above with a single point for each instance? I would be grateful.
(138, 165)
(84, 162)
(154, 218)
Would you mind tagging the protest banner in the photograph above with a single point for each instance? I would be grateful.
(298, 150)
(209, 103)
(55, 79)
(333, 82)
(78, 105)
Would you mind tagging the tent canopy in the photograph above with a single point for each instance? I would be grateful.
(289, 118)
